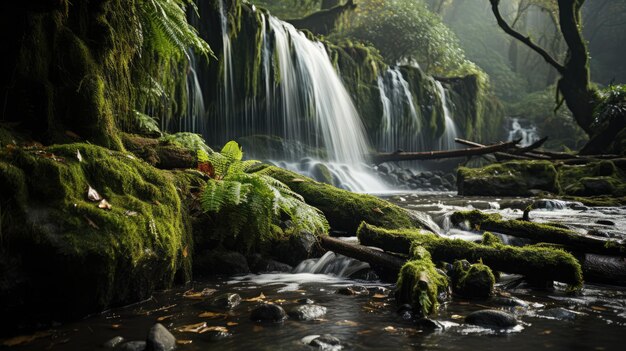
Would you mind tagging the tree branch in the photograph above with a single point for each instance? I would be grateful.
(526, 40)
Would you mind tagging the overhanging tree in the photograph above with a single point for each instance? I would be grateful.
(575, 84)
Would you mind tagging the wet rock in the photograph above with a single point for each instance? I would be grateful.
(405, 311)
(298, 247)
(383, 169)
(429, 324)
(133, 346)
(426, 175)
(605, 222)
(268, 312)
(508, 179)
(451, 178)
(160, 339)
(259, 264)
(114, 342)
(381, 290)
(436, 181)
(599, 233)
(221, 262)
(305, 301)
(321, 173)
(355, 290)
(491, 319)
(597, 186)
(559, 313)
(307, 312)
(225, 301)
(509, 302)
(325, 342)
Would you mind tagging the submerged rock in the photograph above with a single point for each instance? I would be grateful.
(133, 346)
(160, 339)
(429, 324)
(268, 312)
(355, 290)
(492, 319)
(559, 313)
(325, 342)
(307, 312)
(113, 342)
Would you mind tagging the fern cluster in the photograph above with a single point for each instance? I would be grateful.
(249, 206)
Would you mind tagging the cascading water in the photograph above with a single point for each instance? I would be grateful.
(228, 86)
(401, 123)
(528, 135)
(446, 142)
(191, 121)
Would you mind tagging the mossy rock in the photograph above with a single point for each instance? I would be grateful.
(515, 178)
(75, 258)
(343, 209)
(472, 280)
(592, 179)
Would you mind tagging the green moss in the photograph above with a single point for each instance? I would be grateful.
(490, 240)
(345, 210)
(95, 258)
(540, 263)
(514, 178)
(472, 280)
(419, 283)
(592, 179)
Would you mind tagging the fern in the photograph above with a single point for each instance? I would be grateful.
(166, 30)
(249, 205)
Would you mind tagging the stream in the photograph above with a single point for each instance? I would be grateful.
(549, 319)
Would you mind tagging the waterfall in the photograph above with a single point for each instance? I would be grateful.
(446, 142)
(528, 135)
(195, 106)
(401, 121)
(331, 263)
(228, 92)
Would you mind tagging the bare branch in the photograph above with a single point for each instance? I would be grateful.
(526, 40)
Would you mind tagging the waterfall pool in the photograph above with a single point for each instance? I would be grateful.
(549, 319)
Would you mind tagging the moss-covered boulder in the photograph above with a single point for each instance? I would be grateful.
(85, 228)
(343, 209)
(593, 179)
(472, 280)
(515, 178)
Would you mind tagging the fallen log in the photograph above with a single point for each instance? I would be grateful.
(389, 264)
(537, 262)
(540, 233)
(515, 154)
(433, 155)
(158, 154)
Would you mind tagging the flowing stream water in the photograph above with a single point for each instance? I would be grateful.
(549, 319)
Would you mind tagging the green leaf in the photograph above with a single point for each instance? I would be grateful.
(232, 150)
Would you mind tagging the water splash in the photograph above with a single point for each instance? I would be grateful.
(446, 142)
(331, 263)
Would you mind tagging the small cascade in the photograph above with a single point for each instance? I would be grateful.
(401, 122)
(528, 135)
(331, 263)
(446, 142)
(192, 119)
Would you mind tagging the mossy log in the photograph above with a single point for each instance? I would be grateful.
(435, 155)
(343, 209)
(159, 154)
(540, 233)
(539, 263)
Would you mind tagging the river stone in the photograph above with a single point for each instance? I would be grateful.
(491, 319)
(383, 169)
(325, 341)
(559, 313)
(268, 312)
(305, 301)
(605, 222)
(355, 290)
(436, 181)
(133, 346)
(160, 339)
(307, 312)
(429, 324)
(226, 301)
(113, 343)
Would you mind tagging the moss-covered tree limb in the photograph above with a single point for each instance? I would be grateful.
(158, 154)
(345, 210)
(539, 263)
(540, 233)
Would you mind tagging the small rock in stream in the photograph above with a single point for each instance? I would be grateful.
(605, 222)
(429, 324)
(326, 342)
(491, 319)
(510, 302)
(226, 301)
(160, 339)
(268, 312)
(113, 343)
(133, 346)
(307, 312)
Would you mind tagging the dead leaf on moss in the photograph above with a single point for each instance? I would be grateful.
(104, 204)
(378, 210)
(298, 180)
(93, 195)
(79, 156)
(91, 223)
(185, 253)
(130, 213)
